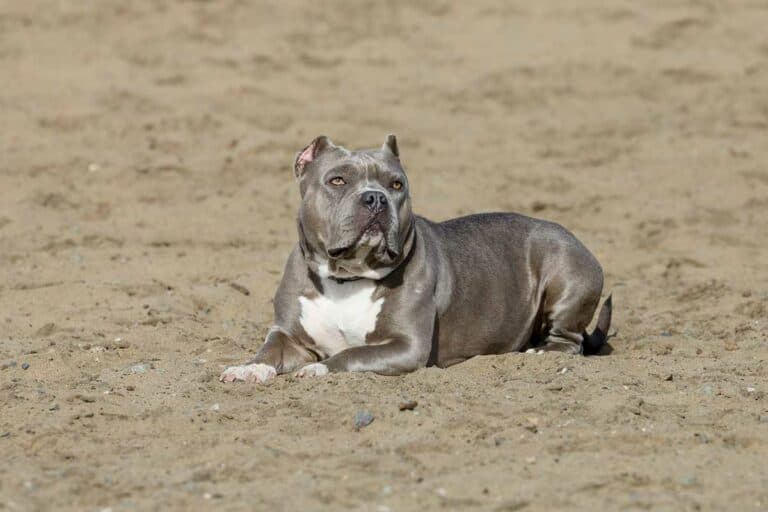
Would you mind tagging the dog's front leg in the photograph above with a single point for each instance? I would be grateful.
(279, 354)
(397, 353)
(393, 357)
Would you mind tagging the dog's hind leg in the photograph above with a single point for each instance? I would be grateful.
(568, 309)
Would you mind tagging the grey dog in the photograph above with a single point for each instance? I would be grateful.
(372, 287)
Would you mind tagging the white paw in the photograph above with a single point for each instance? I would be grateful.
(255, 372)
(534, 351)
(313, 370)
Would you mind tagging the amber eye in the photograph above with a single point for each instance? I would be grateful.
(397, 185)
(338, 181)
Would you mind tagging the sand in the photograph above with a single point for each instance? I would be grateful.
(147, 207)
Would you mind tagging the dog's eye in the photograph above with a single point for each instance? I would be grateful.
(397, 185)
(337, 181)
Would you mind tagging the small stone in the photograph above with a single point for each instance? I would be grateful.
(363, 419)
(688, 480)
(5, 434)
(240, 288)
(669, 378)
(130, 388)
(138, 368)
(408, 405)
(666, 334)
(707, 389)
(215, 407)
(54, 407)
(119, 343)
(24, 366)
(440, 491)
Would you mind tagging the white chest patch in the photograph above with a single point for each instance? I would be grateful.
(342, 316)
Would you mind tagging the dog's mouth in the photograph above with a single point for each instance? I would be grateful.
(371, 242)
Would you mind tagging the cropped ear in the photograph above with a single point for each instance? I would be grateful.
(310, 153)
(391, 144)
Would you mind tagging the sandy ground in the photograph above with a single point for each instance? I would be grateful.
(145, 168)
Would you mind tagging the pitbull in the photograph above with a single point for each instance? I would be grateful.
(372, 287)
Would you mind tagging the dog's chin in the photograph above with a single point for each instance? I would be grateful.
(373, 242)
(368, 257)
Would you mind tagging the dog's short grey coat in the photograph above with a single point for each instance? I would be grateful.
(417, 293)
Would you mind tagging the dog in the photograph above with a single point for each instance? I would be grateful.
(372, 287)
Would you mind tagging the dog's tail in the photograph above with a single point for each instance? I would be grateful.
(594, 343)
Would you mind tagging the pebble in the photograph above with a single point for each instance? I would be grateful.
(24, 366)
(408, 405)
(240, 288)
(139, 368)
(688, 480)
(118, 343)
(708, 389)
(215, 407)
(363, 419)
(669, 378)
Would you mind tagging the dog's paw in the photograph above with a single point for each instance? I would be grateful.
(313, 370)
(255, 372)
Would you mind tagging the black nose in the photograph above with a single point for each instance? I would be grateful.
(374, 200)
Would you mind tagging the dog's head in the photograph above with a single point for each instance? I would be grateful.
(355, 218)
